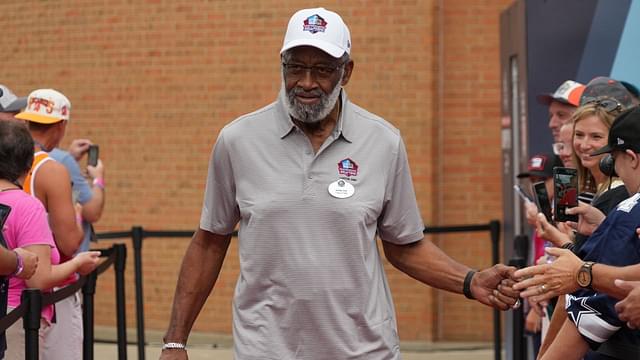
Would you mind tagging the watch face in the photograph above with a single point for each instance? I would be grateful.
(583, 278)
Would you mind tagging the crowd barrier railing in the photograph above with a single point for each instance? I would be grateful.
(32, 301)
(137, 234)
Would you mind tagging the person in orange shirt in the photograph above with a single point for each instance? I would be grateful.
(47, 114)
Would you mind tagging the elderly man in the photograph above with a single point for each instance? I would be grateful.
(312, 178)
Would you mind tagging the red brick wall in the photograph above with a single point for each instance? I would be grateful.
(153, 82)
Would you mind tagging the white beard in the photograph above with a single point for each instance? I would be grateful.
(309, 113)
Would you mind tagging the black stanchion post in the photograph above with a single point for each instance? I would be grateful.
(88, 292)
(121, 258)
(137, 234)
(519, 261)
(31, 322)
(494, 228)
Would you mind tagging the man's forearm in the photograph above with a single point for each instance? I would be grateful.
(92, 210)
(605, 275)
(199, 271)
(427, 263)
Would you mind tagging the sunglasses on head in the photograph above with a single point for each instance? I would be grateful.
(608, 104)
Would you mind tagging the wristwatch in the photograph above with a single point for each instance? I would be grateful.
(584, 276)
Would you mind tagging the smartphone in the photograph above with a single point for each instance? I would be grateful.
(92, 158)
(565, 184)
(542, 200)
(521, 192)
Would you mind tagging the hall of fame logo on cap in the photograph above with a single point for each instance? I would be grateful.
(315, 24)
(341, 189)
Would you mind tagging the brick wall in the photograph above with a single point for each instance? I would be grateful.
(153, 82)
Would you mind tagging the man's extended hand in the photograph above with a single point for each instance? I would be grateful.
(629, 308)
(546, 281)
(487, 287)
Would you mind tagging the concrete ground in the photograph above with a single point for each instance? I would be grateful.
(218, 347)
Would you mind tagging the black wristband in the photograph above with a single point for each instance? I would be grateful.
(568, 246)
(466, 287)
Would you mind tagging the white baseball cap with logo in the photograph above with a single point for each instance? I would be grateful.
(46, 106)
(320, 28)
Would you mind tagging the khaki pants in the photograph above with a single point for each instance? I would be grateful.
(15, 339)
(63, 339)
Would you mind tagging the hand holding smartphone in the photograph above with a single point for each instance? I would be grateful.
(565, 183)
(93, 153)
(542, 200)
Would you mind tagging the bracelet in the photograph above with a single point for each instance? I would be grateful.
(568, 246)
(174, 346)
(466, 287)
(19, 264)
(99, 182)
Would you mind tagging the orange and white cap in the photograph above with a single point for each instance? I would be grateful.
(46, 106)
(568, 93)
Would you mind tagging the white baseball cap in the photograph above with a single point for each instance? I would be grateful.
(46, 106)
(319, 28)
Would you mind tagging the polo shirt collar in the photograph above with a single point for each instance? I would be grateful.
(286, 125)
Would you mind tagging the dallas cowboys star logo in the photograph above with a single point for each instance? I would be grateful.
(579, 309)
(590, 322)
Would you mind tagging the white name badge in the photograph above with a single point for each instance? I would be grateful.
(341, 189)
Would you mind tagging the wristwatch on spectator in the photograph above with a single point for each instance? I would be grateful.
(584, 276)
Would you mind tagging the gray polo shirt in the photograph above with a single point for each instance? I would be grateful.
(311, 284)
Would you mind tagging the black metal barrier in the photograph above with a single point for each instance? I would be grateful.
(519, 260)
(32, 301)
(137, 234)
(494, 230)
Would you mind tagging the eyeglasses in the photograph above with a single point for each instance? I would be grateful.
(608, 104)
(319, 72)
(561, 148)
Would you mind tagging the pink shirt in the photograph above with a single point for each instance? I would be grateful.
(26, 225)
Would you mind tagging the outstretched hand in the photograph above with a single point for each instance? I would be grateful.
(86, 261)
(546, 281)
(493, 287)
